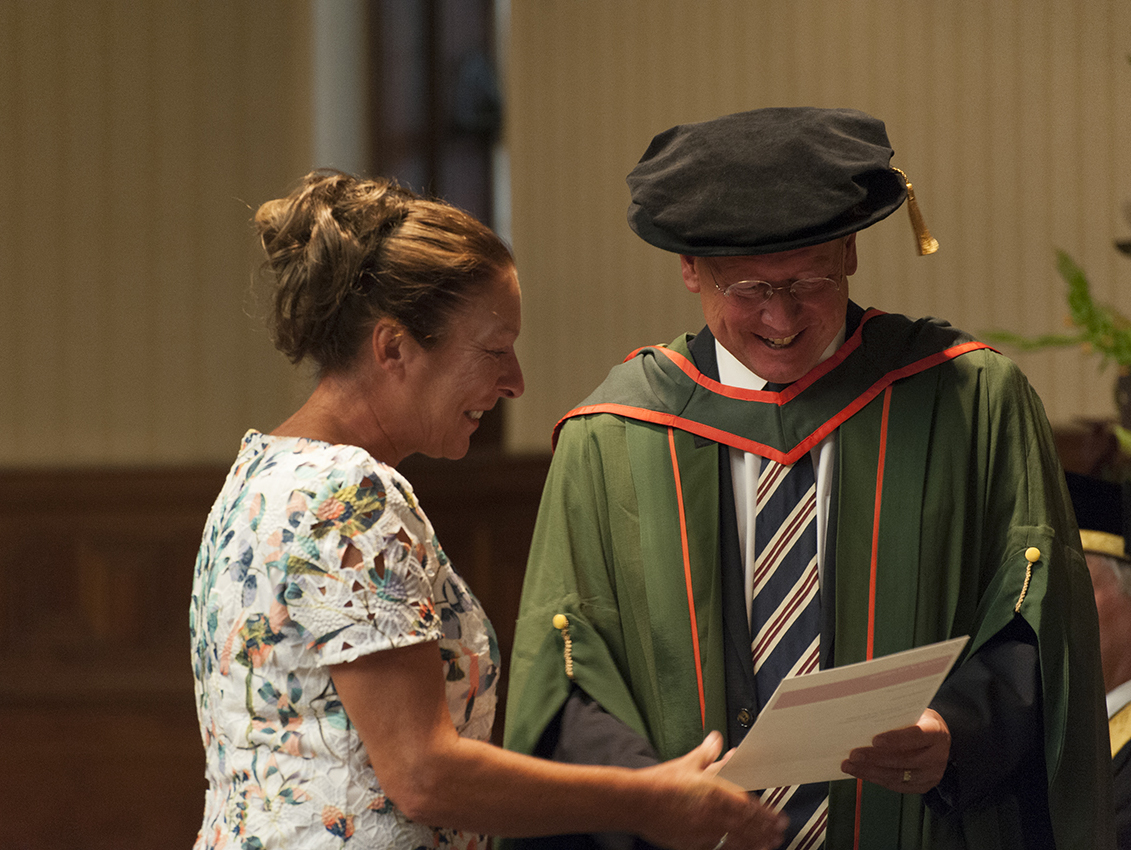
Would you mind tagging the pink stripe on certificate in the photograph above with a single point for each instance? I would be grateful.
(863, 684)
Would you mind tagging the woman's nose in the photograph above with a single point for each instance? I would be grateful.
(511, 383)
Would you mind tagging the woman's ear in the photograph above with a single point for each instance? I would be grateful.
(387, 343)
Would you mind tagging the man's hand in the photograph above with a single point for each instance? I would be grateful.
(910, 760)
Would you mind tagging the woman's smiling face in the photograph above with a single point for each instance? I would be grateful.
(469, 370)
(783, 338)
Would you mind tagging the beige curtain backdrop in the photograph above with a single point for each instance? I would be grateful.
(1011, 117)
(138, 135)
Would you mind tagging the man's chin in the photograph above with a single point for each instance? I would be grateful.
(780, 366)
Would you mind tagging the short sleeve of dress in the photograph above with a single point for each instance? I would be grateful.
(359, 562)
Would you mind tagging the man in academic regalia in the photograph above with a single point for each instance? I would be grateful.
(805, 483)
(1103, 511)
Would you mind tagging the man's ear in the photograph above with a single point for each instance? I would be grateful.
(387, 342)
(850, 255)
(690, 270)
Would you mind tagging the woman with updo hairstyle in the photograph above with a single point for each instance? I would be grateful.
(345, 673)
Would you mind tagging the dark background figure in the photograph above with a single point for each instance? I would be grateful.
(1102, 510)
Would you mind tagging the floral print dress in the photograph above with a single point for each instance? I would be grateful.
(274, 603)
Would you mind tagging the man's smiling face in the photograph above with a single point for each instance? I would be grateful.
(783, 338)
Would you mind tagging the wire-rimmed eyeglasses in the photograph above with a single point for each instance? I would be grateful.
(760, 291)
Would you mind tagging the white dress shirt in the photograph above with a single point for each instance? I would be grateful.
(744, 468)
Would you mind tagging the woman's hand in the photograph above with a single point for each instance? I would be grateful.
(908, 761)
(701, 808)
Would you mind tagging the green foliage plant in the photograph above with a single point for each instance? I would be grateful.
(1099, 329)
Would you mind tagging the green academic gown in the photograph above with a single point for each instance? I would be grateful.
(947, 473)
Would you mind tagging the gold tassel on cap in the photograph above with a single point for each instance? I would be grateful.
(927, 243)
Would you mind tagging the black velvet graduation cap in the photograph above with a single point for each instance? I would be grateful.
(766, 180)
(1102, 512)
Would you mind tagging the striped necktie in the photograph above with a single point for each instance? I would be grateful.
(785, 616)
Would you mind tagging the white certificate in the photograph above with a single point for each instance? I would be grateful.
(813, 722)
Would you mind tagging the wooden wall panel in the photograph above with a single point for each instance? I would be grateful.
(101, 744)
